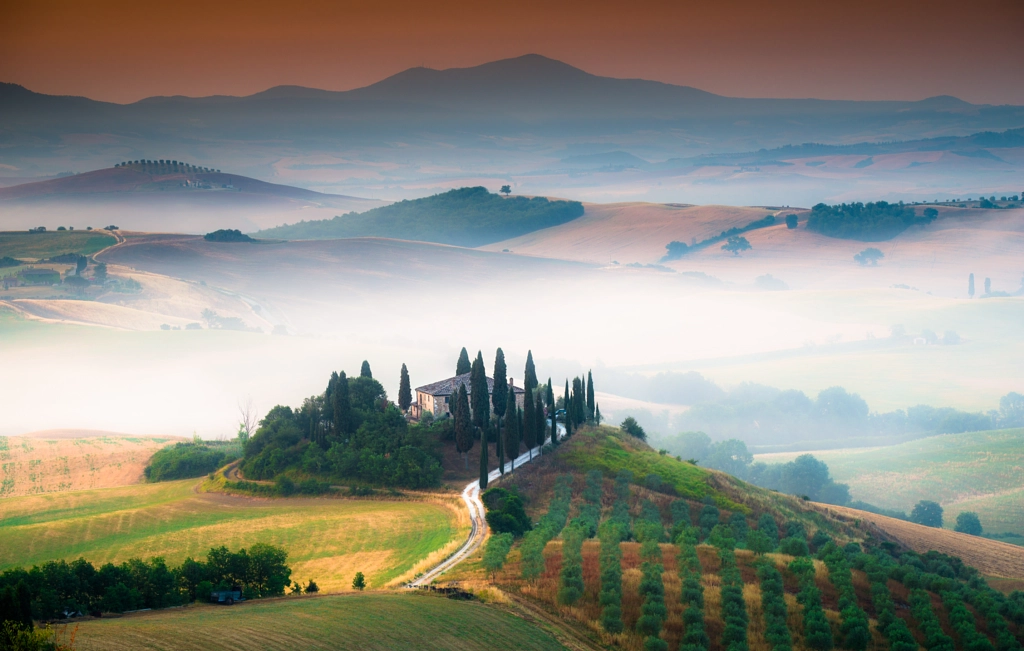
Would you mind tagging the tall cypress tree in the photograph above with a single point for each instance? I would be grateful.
(554, 423)
(463, 366)
(483, 460)
(342, 406)
(480, 396)
(511, 432)
(550, 397)
(364, 370)
(529, 429)
(500, 396)
(404, 390)
(579, 400)
(591, 402)
(529, 374)
(597, 413)
(538, 414)
(463, 425)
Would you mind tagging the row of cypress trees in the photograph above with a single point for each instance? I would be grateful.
(734, 607)
(695, 637)
(855, 628)
(773, 604)
(928, 622)
(652, 590)
(963, 623)
(892, 627)
(532, 547)
(817, 632)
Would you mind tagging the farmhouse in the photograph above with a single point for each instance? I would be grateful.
(438, 398)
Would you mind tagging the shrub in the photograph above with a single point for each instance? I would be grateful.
(497, 549)
(505, 512)
(188, 460)
(794, 547)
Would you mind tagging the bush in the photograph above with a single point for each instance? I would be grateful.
(505, 512)
(794, 547)
(497, 549)
(188, 460)
(969, 523)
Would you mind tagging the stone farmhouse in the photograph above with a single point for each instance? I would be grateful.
(439, 397)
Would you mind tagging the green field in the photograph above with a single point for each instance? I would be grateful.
(364, 621)
(36, 246)
(328, 540)
(974, 471)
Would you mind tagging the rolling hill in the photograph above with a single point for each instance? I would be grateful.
(159, 197)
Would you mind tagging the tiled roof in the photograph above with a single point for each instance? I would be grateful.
(451, 385)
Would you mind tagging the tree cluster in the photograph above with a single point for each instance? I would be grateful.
(868, 222)
(856, 633)
(59, 587)
(734, 606)
(189, 459)
(817, 632)
(652, 591)
(676, 250)
(695, 637)
(505, 512)
(610, 559)
(773, 605)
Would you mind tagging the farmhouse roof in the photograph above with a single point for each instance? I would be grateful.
(451, 385)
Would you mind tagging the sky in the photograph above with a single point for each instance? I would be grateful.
(122, 51)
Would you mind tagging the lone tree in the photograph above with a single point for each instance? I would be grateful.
(404, 390)
(927, 513)
(359, 582)
(506, 190)
(869, 256)
(631, 427)
(791, 221)
(970, 286)
(364, 370)
(735, 244)
(968, 522)
(463, 425)
(529, 373)
(591, 404)
(463, 366)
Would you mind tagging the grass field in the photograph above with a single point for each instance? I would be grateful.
(328, 540)
(364, 621)
(36, 465)
(975, 471)
(36, 246)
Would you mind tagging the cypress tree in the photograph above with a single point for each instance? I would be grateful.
(580, 400)
(529, 429)
(499, 399)
(364, 370)
(520, 429)
(530, 373)
(501, 450)
(550, 397)
(404, 390)
(554, 426)
(597, 413)
(480, 395)
(463, 425)
(570, 413)
(483, 460)
(463, 366)
(591, 402)
(511, 435)
(342, 406)
(538, 415)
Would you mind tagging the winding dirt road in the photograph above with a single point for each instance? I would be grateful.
(477, 535)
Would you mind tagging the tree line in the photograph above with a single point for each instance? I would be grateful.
(867, 222)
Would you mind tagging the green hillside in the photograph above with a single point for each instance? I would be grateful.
(38, 246)
(463, 217)
(374, 621)
(974, 471)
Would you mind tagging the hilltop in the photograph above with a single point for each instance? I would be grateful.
(163, 196)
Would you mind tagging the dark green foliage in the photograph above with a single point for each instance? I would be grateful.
(571, 576)
(794, 546)
(676, 250)
(620, 508)
(631, 427)
(259, 571)
(464, 217)
(855, 630)
(187, 460)
(928, 513)
(529, 374)
(404, 390)
(734, 607)
(892, 627)
(590, 511)
(463, 424)
(791, 221)
(505, 513)
(538, 416)
(364, 370)
(767, 525)
(759, 543)
(497, 549)
(483, 461)
(738, 522)
(530, 438)
(532, 548)
(968, 522)
(227, 235)
(652, 591)
(499, 396)
(512, 435)
(819, 540)
(359, 581)
(611, 578)
(709, 519)
(870, 222)
(721, 536)
(591, 402)
(964, 624)
(463, 366)
(735, 244)
(773, 604)
(7, 261)
(817, 632)
(15, 608)
(692, 596)
(379, 446)
(928, 622)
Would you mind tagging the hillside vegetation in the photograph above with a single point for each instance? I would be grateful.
(38, 246)
(370, 621)
(327, 540)
(463, 217)
(868, 222)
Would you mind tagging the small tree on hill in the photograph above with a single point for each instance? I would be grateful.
(631, 427)
(530, 373)
(506, 190)
(968, 522)
(735, 244)
(591, 404)
(463, 366)
(869, 256)
(364, 370)
(927, 513)
(359, 582)
(404, 390)
(791, 221)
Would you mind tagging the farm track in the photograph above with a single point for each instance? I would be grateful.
(990, 557)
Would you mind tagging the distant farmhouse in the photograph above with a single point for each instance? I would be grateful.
(438, 398)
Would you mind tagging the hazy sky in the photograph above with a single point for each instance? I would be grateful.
(863, 49)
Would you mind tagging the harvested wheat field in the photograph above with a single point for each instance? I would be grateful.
(990, 557)
(327, 540)
(52, 461)
(372, 621)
